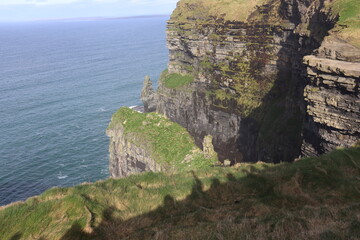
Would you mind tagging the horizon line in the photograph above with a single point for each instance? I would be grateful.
(88, 18)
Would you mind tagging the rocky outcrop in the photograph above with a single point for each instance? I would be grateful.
(190, 107)
(149, 142)
(208, 147)
(148, 95)
(126, 157)
(333, 104)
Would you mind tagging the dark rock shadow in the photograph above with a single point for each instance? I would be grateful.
(273, 132)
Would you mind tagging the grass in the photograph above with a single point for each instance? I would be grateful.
(348, 26)
(175, 80)
(232, 10)
(168, 142)
(314, 198)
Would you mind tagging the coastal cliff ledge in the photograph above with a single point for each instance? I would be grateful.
(149, 142)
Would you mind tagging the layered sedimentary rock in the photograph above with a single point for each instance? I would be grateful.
(248, 76)
(126, 157)
(333, 104)
(189, 106)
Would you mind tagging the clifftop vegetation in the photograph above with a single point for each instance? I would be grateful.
(348, 12)
(313, 198)
(230, 10)
(348, 26)
(168, 142)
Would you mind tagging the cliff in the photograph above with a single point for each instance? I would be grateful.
(262, 80)
(333, 105)
(149, 142)
(254, 75)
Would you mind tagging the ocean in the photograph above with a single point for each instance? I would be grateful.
(60, 83)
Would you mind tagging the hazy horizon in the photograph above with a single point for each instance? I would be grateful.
(49, 10)
(94, 18)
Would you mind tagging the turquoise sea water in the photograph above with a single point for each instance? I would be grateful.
(60, 82)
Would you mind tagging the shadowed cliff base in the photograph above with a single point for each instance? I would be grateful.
(312, 198)
(272, 132)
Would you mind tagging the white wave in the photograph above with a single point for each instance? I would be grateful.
(61, 176)
(137, 108)
(102, 110)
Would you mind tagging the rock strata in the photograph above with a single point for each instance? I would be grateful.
(270, 85)
(248, 82)
(126, 157)
(333, 105)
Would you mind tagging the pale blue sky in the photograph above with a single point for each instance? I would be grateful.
(25, 10)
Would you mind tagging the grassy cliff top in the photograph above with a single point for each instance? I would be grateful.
(314, 198)
(232, 10)
(167, 141)
(175, 80)
(348, 26)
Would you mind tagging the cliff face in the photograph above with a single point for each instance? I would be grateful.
(149, 142)
(126, 157)
(248, 78)
(333, 104)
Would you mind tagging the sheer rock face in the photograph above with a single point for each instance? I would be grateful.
(127, 158)
(247, 90)
(333, 104)
(190, 107)
(250, 81)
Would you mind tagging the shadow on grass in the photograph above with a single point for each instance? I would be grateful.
(266, 201)
(17, 236)
(171, 210)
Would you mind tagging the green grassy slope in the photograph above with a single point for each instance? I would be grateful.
(237, 10)
(314, 198)
(167, 142)
(348, 26)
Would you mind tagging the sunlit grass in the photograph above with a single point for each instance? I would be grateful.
(253, 200)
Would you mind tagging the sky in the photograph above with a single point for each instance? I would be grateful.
(29, 10)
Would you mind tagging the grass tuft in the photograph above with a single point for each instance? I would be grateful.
(175, 80)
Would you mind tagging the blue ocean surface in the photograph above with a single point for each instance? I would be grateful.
(60, 83)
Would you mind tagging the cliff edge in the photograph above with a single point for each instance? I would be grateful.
(149, 142)
(269, 80)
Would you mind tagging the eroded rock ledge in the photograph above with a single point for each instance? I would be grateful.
(149, 142)
(333, 105)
